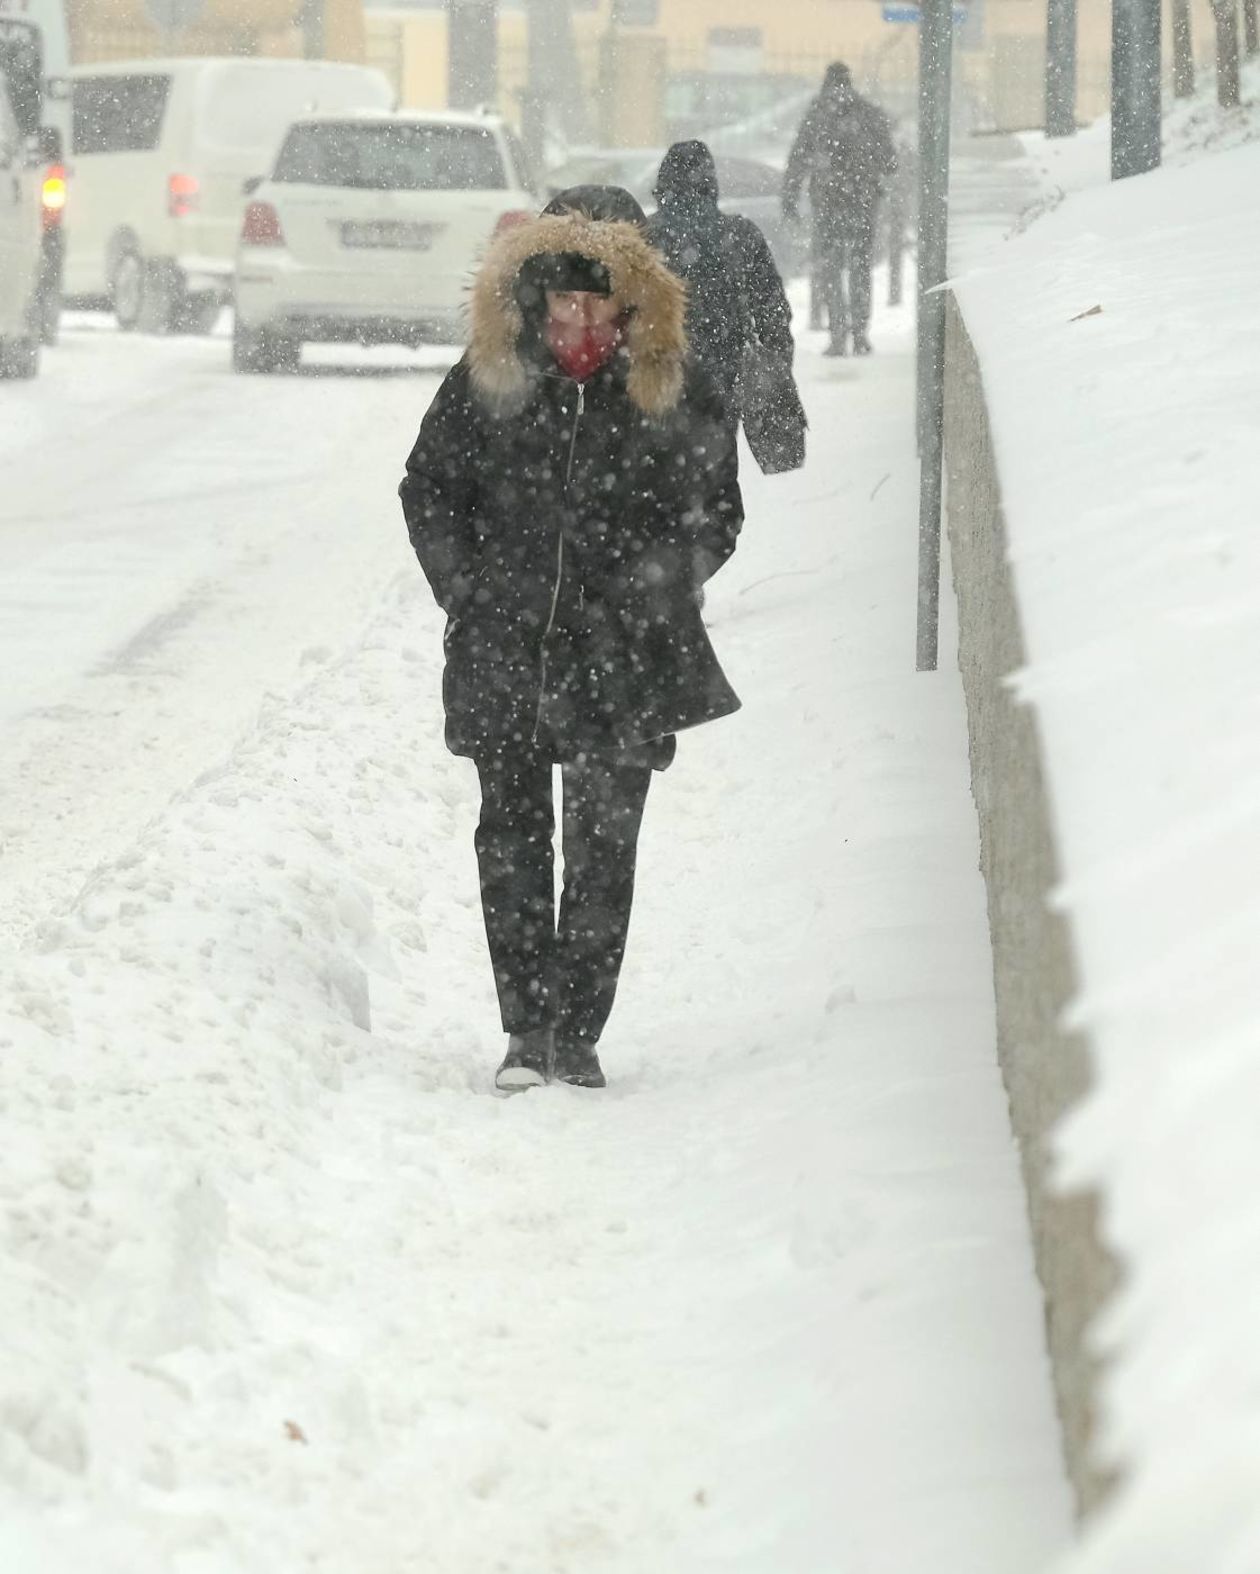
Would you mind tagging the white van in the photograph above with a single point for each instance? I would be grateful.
(21, 100)
(160, 151)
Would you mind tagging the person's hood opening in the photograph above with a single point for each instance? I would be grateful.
(837, 85)
(592, 232)
(687, 174)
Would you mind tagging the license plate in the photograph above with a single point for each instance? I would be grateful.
(390, 234)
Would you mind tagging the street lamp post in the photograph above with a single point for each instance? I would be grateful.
(936, 41)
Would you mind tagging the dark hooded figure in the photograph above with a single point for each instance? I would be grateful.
(573, 485)
(844, 148)
(739, 323)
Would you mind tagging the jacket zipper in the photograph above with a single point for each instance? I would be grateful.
(555, 589)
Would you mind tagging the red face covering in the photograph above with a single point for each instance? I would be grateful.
(581, 356)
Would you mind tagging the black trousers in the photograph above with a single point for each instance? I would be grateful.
(548, 970)
(846, 248)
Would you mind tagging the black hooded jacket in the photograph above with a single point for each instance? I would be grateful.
(739, 322)
(844, 149)
(566, 527)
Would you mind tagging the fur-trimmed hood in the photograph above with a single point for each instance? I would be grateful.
(639, 277)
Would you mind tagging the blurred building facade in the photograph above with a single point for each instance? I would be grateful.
(650, 69)
(655, 69)
(143, 29)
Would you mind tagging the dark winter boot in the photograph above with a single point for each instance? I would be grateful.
(578, 1064)
(527, 1063)
(861, 344)
(839, 345)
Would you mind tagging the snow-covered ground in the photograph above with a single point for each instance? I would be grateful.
(282, 1286)
(1119, 340)
(175, 542)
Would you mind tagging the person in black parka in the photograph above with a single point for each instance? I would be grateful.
(844, 149)
(739, 323)
(573, 485)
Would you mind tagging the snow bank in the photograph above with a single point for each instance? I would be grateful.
(1119, 339)
(166, 1050)
(171, 1055)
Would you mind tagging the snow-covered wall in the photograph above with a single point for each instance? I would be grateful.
(1044, 1064)
(1119, 341)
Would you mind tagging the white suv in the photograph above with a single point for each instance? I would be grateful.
(368, 230)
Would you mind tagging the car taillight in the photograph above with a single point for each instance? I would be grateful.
(54, 195)
(182, 193)
(510, 220)
(261, 226)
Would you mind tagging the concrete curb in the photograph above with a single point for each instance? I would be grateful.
(1046, 1069)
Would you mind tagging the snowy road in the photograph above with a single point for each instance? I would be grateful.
(175, 542)
(284, 1289)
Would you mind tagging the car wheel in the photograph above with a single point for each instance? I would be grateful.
(261, 350)
(126, 290)
(197, 314)
(49, 315)
(161, 299)
(247, 350)
(19, 358)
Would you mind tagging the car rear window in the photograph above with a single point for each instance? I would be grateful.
(119, 114)
(392, 157)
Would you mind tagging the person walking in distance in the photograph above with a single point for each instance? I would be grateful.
(572, 486)
(844, 149)
(739, 323)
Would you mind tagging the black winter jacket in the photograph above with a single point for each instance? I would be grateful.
(845, 150)
(735, 296)
(565, 528)
(739, 323)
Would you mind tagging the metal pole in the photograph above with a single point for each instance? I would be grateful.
(472, 53)
(1228, 81)
(1182, 50)
(539, 39)
(1061, 68)
(1135, 87)
(312, 22)
(555, 95)
(935, 60)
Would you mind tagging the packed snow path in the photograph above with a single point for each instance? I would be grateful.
(175, 542)
(283, 1287)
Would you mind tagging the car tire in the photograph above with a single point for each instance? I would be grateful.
(19, 358)
(127, 289)
(163, 298)
(256, 350)
(49, 313)
(197, 314)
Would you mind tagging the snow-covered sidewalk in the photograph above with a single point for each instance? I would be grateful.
(284, 1288)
